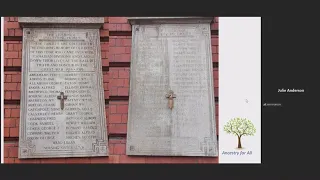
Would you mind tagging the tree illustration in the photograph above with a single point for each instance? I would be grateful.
(240, 127)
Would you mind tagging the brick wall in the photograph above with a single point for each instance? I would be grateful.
(115, 54)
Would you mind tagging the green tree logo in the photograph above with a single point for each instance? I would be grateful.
(240, 127)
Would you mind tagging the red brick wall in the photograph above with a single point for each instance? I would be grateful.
(115, 53)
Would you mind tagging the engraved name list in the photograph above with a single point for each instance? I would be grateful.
(62, 104)
(176, 59)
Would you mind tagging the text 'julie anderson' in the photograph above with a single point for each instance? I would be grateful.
(290, 90)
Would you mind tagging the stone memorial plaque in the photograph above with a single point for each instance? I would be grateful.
(62, 100)
(171, 105)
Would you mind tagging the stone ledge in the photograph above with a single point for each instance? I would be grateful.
(68, 22)
(169, 20)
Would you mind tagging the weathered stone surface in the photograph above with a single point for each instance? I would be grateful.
(68, 61)
(83, 22)
(169, 20)
(173, 57)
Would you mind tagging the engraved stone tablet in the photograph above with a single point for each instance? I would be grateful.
(171, 105)
(62, 100)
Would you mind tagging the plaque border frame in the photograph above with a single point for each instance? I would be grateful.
(100, 144)
(136, 22)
